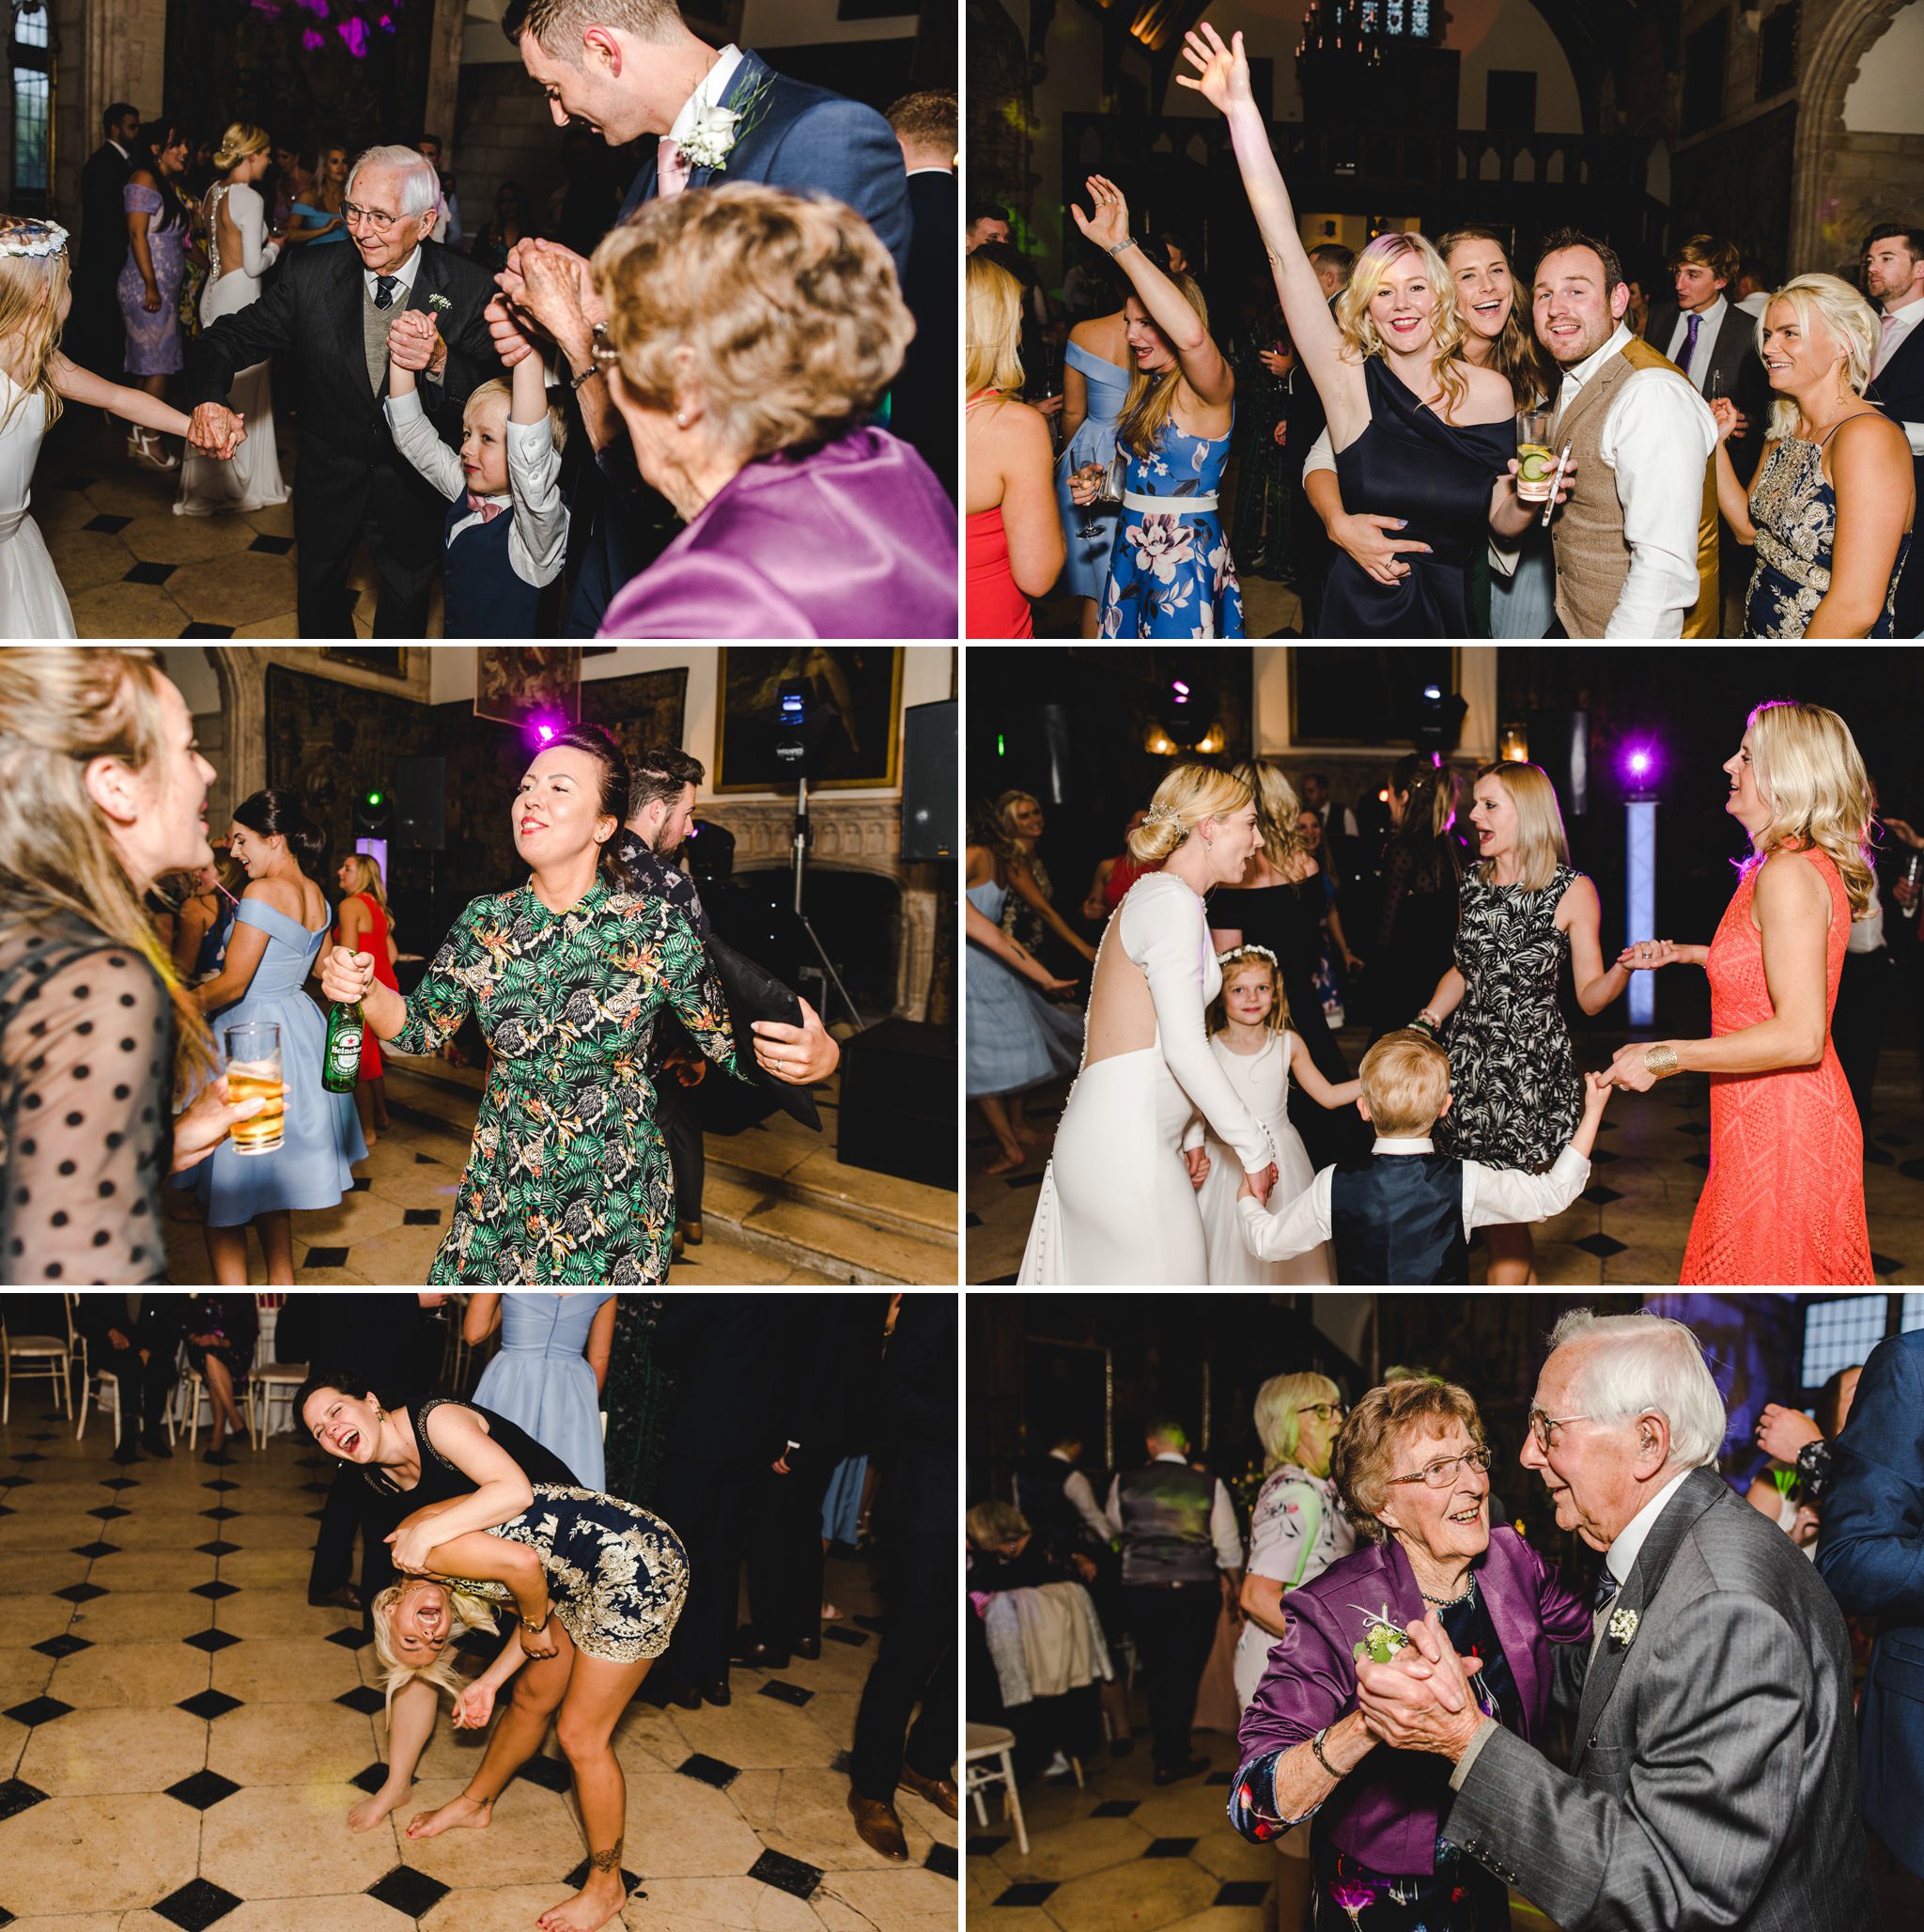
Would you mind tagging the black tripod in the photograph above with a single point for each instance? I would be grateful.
(798, 860)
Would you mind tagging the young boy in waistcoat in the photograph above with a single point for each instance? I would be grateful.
(506, 530)
(1403, 1216)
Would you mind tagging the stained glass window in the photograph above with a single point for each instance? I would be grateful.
(1419, 19)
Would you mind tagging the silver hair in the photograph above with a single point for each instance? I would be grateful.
(420, 184)
(1648, 1362)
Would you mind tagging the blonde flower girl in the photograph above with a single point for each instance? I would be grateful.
(1249, 1035)
(34, 379)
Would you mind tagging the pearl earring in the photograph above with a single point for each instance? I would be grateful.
(681, 419)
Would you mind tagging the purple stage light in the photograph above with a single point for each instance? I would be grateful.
(1639, 766)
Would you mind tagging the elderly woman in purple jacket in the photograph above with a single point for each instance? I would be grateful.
(1411, 1466)
(750, 337)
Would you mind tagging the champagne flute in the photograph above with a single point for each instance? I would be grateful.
(1108, 491)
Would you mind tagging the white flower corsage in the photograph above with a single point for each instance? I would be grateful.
(712, 137)
(1623, 1627)
(440, 302)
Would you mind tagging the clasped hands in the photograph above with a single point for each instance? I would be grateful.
(1421, 1700)
(216, 430)
(545, 290)
(415, 343)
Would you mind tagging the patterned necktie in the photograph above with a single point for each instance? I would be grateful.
(1607, 1587)
(1884, 342)
(480, 506)
(384, 287)
(1690, 346)
(670, 171)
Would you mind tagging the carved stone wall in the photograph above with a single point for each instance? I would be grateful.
(850, 834)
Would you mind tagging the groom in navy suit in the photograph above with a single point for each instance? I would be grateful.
(630, 68)
(1870, 1552)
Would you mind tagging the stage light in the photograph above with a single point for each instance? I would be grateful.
(1181, 691)
(547, 732)
(1001, 746)
(1641, 872)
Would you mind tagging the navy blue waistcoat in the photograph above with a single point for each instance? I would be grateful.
(482, 597)
(1396, 1220)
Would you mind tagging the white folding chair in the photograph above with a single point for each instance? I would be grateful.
(272, 1381)
(983, 1743)
(36, 1359)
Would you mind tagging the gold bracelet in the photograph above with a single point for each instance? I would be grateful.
(1660, 1059)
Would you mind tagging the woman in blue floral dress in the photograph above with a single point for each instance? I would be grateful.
(1171, 573)
(569, 1181)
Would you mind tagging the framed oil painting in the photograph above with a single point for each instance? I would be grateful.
(646, 707)
(851, 698)
(516, 683)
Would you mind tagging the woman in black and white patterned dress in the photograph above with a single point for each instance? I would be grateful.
(1516, 1093)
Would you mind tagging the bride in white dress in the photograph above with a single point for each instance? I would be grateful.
(238, 255)
(34, 379)
(1116, 1206)
(1250, 1037)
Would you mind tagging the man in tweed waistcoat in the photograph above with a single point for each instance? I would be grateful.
(1713, 1781)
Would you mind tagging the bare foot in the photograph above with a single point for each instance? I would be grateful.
(456, 1812)
(591, 1908)
(370, 1810)
(1025, 1132)
(1012, 1159)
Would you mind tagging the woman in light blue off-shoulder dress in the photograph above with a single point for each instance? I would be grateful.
(1095, 383)
(549, 1375)
(271, 952)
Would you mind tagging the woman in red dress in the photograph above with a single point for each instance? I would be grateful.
(363, 927)
(1784, 1203)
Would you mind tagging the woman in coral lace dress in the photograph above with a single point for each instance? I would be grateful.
(1785, 1198)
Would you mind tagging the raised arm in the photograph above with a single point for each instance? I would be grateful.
(1733, 500)
(1595, 986)
(1223, 79)
(1204, 366)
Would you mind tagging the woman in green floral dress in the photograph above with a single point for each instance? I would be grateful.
(569, 1181)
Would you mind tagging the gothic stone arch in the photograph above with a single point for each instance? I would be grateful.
(1824, 230)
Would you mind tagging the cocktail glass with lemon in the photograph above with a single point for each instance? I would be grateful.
(1536, 461)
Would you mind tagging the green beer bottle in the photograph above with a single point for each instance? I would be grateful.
(341, 1062)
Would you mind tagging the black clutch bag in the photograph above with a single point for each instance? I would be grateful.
(724, 1105)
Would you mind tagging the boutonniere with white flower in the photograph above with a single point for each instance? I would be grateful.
(1382, 1637)
(440, 303)
(717, 131)
(1623, 1627)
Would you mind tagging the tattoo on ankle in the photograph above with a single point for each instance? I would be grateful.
(607, 1860)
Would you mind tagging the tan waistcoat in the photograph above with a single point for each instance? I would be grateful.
(1593, 559)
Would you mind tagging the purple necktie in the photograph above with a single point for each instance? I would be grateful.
(1690, 344)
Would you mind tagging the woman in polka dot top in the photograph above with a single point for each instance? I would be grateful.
(101, 790)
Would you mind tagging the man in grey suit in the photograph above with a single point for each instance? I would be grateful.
(1713, 1781)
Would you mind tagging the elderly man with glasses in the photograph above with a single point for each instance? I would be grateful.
(1713, 1781)
(330, 312)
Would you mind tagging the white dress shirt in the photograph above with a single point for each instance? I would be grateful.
(1657, 437)
(404, 275)
(1491, 1196)
(1710, 325)
(1755, 304)
(714, 85)
(1631, 1538)
(1223, 1533)
(1907, 318)
(1082, 1499)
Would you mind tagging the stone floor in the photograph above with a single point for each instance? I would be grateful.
(778, 1207)
(1120, 1853)
(182, 1737)
(1626, 1229)
(133, 569)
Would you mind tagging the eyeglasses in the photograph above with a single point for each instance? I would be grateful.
(1541, 1425)
(375, 218)
(1440, 1474)
(1323, 1412)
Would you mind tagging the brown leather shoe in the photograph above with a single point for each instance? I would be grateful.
(877, 1825)
(940, 1792)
